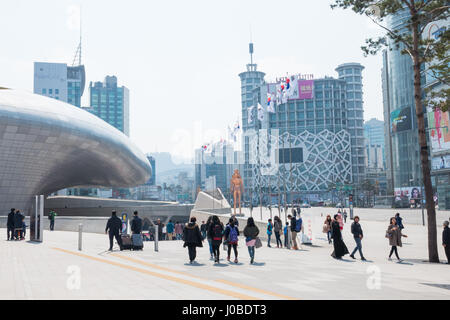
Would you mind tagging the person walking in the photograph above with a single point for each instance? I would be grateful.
(357, 235)
(394, 234)
(327, 228)
(18, 225)
(216, 233)
(251, 232)
(24, 227)
(345, 216)
(113, 228)
(231, 235)
(136, 224)
(399, 221)
(203, 230)
(446, 240)
(170, 228)
(340, 249)
(192, 239)
(208, 237)
(277, 228)
(51, 216)
(10, 224)
(178, 230)
(286, 235)
(269, 231)
(293, 231)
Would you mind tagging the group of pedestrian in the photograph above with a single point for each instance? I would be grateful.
(15, 225)
(216, 234)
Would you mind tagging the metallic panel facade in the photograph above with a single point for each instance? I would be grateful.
(47, 145)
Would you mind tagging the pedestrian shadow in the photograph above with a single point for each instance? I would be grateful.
(405, 263)
(221, 265)
(259, 264)
(235, 264)
(367, 261)
(438, 285)
(344, 260)
(29, 241)
(195, 264)
(421, 261)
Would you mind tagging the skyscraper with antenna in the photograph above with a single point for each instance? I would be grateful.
(251, 80)
(76, 76)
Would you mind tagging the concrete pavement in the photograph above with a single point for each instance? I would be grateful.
(55, 269)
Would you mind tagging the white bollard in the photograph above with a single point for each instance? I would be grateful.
(156, 237)
(80, 236)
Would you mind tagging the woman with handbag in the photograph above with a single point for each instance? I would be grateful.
(394, 234)
(251, 232)
(327, 228)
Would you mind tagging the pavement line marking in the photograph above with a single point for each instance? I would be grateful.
(243, 286)
(163, 276)
(154, 265)
(233, 284)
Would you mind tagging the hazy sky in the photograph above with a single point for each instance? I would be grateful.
(181, 59)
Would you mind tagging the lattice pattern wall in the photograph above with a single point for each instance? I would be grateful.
(326, 160)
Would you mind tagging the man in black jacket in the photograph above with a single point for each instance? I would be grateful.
(293, 232)
(114, 226)
(136, 224)
(18, 225)
(10, 224)
(446, 241)
(357, 235)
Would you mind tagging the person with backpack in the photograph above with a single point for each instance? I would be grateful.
(231, 235)
(399, 221)
(277, 227)
(251, 232)
(203, 229)
(192, 239)
(216, 233)
(269, 231)
(170, 228)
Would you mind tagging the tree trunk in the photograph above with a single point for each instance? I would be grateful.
(431, 211)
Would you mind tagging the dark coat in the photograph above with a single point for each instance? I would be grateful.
(114, 224)
(136, 225)
(277, 226)
(395, 238)
(293, 224)
(356, 230)
(446, 236)
(192, 236)
(10, 222)
(251, 232)
(340, 249)
(211, 233)
(18, 217)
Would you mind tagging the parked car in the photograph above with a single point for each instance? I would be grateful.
(305, 205)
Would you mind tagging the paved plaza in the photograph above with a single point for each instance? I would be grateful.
(55, 269)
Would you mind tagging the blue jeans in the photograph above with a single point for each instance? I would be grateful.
(358, 247)
(251, 252)
(268, 239)
(210, 246)
(329, 236)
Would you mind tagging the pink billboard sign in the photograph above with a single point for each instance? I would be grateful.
(305, 89)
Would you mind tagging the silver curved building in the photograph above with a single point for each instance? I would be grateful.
(47, 145)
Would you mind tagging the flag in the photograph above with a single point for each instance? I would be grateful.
(270, 107)
(250, 114)
(260, 113)
(292, 92)
(281, 93)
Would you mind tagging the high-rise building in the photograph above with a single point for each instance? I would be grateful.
(152, 180)
(438, 127)
(401, 133)
(111, 103)
(311, 142)
(374, 143)
(59, 81)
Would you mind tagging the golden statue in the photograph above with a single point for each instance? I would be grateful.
(237, 188)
